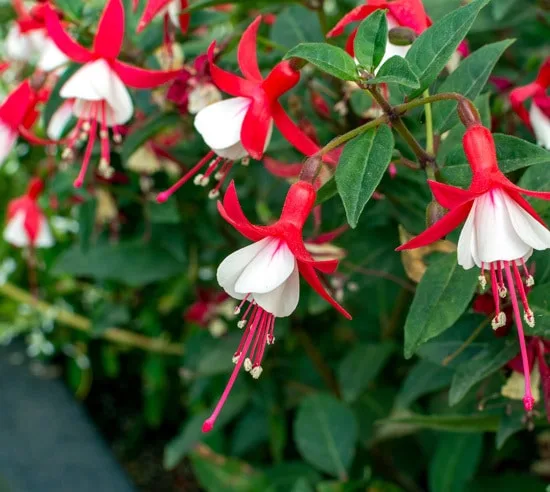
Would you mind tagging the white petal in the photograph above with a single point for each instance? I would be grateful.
(174, 9)
(18, 46)
(267, 270)
(94, 82)
(231, 268)
(15, 232)
(496, 237)
(466, 241)
(541, 125)
(220, 123)
(45, 238)
(59, 120)
(528, 228)
(283, 300)
(7, 141)
(51, 57)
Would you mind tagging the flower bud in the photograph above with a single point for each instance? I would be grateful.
(401, 36)
(468, 113)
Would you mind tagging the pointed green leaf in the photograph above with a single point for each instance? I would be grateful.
(396, 70)
(294, 25)
(330, 59)
(441, 297)
(370, 42)
(361, 167)
(325, 432)
(468, 79)
(432, 49)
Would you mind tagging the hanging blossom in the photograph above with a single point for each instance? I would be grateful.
(98, 88)
(537, 118)
(171, 10)
(537, 350)
(17, 113)
(193, 89)
(400, 13)
(26, 223)
(241, 126)
(28, 39)
(500, 233)
(266, 275)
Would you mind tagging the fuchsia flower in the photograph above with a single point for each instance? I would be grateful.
(500, 233)
(266, 274)
(16, 113)
(538, 116)
(241, 126)
(172, 10)
(26, 223)
(98, 88)
(28, 38)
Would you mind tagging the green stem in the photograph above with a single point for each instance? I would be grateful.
(80, 323)
(445, 96)
(430, 171)
(447, 360)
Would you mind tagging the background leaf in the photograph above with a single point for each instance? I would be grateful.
(370, 40)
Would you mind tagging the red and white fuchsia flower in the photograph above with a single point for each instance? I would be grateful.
(241, 126)
(16, 112)
(500, 233)
(98, 88)
(537, 118)
(266, 274)
(26, 223)
(28, 39)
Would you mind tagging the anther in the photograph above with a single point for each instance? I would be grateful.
(530, 281)
(247, 364)
(502, 291)
(235, 358)
(498, 321)
(529, 318)
(482, 282)
(245, 161)
(213, 194)
(241, 324)
(256, 372)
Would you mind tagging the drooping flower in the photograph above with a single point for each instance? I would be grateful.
(26, 223)
(266, 275)
(500, 233)
(28, 39)
(537, 118)
(193, 89)
(241, 126)
(98, 88)
(16, 112)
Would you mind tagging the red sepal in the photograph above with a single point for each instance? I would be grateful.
(291, 132)
(110, 31)
(256, 127)
(282, 169)
(357, 14)
(151, 10)
(227, 81)
(246, 52)
(14, 108)
(141, 78)
(479, 147)
(450, 196)
(64, 42)
(441, 228)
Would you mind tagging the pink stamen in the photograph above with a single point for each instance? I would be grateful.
(89, 147)
(165, 195)
(212, 167)
(528, 400)
(519, 284)
(494, 288)
(208, 424)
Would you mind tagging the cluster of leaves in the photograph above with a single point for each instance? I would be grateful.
(338, 408)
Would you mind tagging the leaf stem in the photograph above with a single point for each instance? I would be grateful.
(447, 360)
(444, 96)
(80, 323)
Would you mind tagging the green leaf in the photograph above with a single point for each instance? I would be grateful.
(481, 366)
(370, 41)
(294, 25)
(539, 303)
(396, 70)
(454, 423)
(361, 168)
(512, 153)
(86, 222)
(71, 8)
(424, 378)
(330, 59)
(109, 315)
(184, 443)
(455, 461)
(131, 263)
(146, 131)
(325, 432)
(510, 424)
(432, 49)
(468, 79)
(360, 367)
(327, 191)
(441, 297)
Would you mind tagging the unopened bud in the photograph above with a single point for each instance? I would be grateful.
(401, 36)
(310, 169)
(297, 64)
(468, 113)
